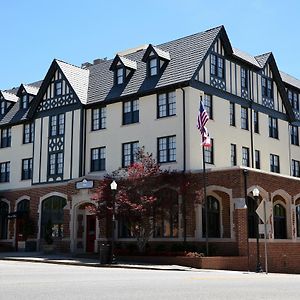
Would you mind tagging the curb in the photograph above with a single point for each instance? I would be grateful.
(94, 265)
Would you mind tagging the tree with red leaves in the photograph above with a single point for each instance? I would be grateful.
(135, 197)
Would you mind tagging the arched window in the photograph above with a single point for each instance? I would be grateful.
(298, 220)
(213, 213)
(252, 217)
(23, 207)
(3, 220)
(53, 213)
(165, 215)
(279, 222)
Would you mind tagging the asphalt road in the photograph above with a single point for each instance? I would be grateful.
(23, 280)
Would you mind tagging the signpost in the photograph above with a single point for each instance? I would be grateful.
(264, 211)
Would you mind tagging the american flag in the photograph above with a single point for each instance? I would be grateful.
(201, 122)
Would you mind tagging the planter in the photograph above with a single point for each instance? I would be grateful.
(48, 249)
(21, 246)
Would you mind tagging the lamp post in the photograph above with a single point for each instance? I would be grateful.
(113, 187)
(255, 193)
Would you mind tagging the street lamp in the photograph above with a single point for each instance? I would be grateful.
(255, 193)
(113, 187)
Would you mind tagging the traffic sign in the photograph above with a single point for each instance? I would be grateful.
(260, 210)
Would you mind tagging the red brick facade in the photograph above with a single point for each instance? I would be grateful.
(228, 187)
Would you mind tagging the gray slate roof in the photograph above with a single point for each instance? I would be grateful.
(15, 114)
(78, 79)
(262, 59)
(246, 57)
(9, 96)
(128, 63)
(187, 53)
(290, 79)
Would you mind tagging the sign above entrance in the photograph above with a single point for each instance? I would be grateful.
(84, 184)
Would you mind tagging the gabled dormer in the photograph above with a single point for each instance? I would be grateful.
(7, 100)
(272, 87)
(25, 94)
(123, 68)
(156, 60)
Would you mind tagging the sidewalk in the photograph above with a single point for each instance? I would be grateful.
(64, 259)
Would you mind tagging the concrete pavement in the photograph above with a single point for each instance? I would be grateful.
(64, 259)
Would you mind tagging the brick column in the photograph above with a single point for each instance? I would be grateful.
(241, 230)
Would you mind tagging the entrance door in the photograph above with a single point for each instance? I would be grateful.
(90, 232)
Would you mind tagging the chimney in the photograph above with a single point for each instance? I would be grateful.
(85, 65)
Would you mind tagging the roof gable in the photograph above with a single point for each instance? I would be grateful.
(152, 50)
(73, 85)
(125, 62)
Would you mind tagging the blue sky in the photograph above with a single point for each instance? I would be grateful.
(33, 32)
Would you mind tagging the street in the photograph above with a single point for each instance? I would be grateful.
(24, 280)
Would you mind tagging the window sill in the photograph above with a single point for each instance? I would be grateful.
(96, 130)
(168, 162)
(129, 124)
(166, 117)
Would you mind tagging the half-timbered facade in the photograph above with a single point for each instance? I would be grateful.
(59, 136)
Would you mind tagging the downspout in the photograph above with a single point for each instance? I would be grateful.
(184, 163)
(251, 136)
(251, 122)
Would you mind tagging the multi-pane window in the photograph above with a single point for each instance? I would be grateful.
(209, 153)
(56, 163)
(129, 151)
(166, 149)
(257, 159)
(28, 133)
(26, 168)
(244, 118)
(166, 104)
(294, 99)
(256, 121)
(294, 135)
(217, 66)
(4, 171)
(274, 163)
(57, 125)
(24, 101)
(2, 107)
(273, 127)
(6, 137)
(267, 88)
(98, 159)
(244, 78)
(245, 157)
(130, 112)
(153, 67)
(58, 88)
(120, 76)
(233, 154)
(99, 118)
(279, 213)
(208, 105)
(232, 114)
(295, 168)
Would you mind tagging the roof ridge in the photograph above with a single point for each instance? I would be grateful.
(64, 62)
(190, 35)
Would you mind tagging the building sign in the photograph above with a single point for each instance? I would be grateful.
(84, 184)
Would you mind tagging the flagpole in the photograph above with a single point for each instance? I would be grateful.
(205, 202)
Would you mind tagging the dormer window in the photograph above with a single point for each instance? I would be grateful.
(2, 107)
(120, 76)
(156, 60)
(153, 67)
(123, 68)
(24, 101)
(58, 88)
